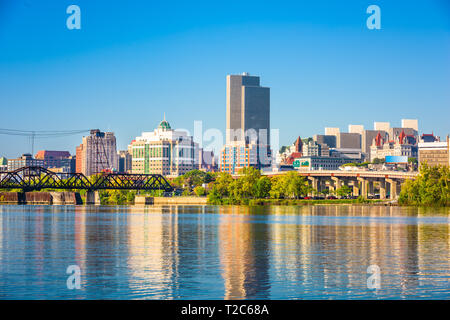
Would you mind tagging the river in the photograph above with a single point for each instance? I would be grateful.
(224, 252)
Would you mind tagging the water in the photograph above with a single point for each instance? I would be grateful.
(224, 252)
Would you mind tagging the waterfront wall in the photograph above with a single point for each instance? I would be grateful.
(40, 198)
(145, 200)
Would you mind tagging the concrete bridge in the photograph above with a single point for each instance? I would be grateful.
(365, 183)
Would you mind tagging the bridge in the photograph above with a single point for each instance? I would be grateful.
(365, 183)
(38, 178)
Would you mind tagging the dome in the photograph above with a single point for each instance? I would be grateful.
(164, 125)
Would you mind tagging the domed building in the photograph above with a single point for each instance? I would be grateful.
(163, 151)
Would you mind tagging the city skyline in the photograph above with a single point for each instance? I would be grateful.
(324, 67)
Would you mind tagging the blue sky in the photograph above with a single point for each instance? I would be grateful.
(134, 60)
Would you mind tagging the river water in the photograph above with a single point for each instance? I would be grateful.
(224, 252)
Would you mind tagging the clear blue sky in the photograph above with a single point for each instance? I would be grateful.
(133, 60)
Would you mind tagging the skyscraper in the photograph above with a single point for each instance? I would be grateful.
(97, 152)
(248, 124)
(248, 108)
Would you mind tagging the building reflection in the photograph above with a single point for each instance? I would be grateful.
(244, 254)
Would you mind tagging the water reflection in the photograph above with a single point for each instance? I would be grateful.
(224, 252)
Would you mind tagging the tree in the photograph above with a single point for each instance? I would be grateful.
(263, 187)
(200, 191)
(430, 188)
(344, 191)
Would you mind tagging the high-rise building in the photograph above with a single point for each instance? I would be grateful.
(163, 151)
(410, 123)
(248, 123)
(356, 128)
(248, 109)
(381, 126)
(124, 161)
(57, 159)
(329, 140)
(332, 131)
(97, 152)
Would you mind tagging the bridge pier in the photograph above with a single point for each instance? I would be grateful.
(355, 185)
(364, 186)
(382, 190)
(392, 188)
(92, 197)
(314, 184)
(337, 182)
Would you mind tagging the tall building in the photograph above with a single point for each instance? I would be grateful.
(96, 153)
(248, 123)
(381, 126)
(329, 140)
(57, 159)
(356, 128)
(410, 123)
(124, 161)
(402, 147)
(164, 151)
(314, 149)
(248, 109)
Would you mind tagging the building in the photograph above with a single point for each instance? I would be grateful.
(435, 153)
(206, 160)
(124, 161)
(247, 123)
(3, 164)
(329, 140)
(163, 151)
(356, 128)
(290, 153)
(314, 149)
(26, 160)
(355, 155)
(97, 152)
(428, 137)
(403, 146)
(57, 159)
(410, 123)
(320, 163)
(346, 140)
(332, 131)
(381, 126)
(367, 140)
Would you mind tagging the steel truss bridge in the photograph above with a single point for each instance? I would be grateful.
(38, 178)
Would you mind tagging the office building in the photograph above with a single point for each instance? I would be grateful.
(320, 163)
(356, 128)
(410, 123)
(329, 140)
(247, 122)
(435, 153)
(26, 160)
(332, 131)
(163, 151)
(124, 161)
(314, 149)
(381, 126)
(57, 159)
(97, 153)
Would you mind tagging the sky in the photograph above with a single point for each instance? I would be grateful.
(133, 61)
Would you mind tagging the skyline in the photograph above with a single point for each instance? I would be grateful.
(318, 59)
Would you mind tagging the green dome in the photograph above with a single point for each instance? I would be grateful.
(164, 125)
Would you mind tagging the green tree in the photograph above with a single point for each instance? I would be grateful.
(263, 187)
(344, 191)
(199, 191)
